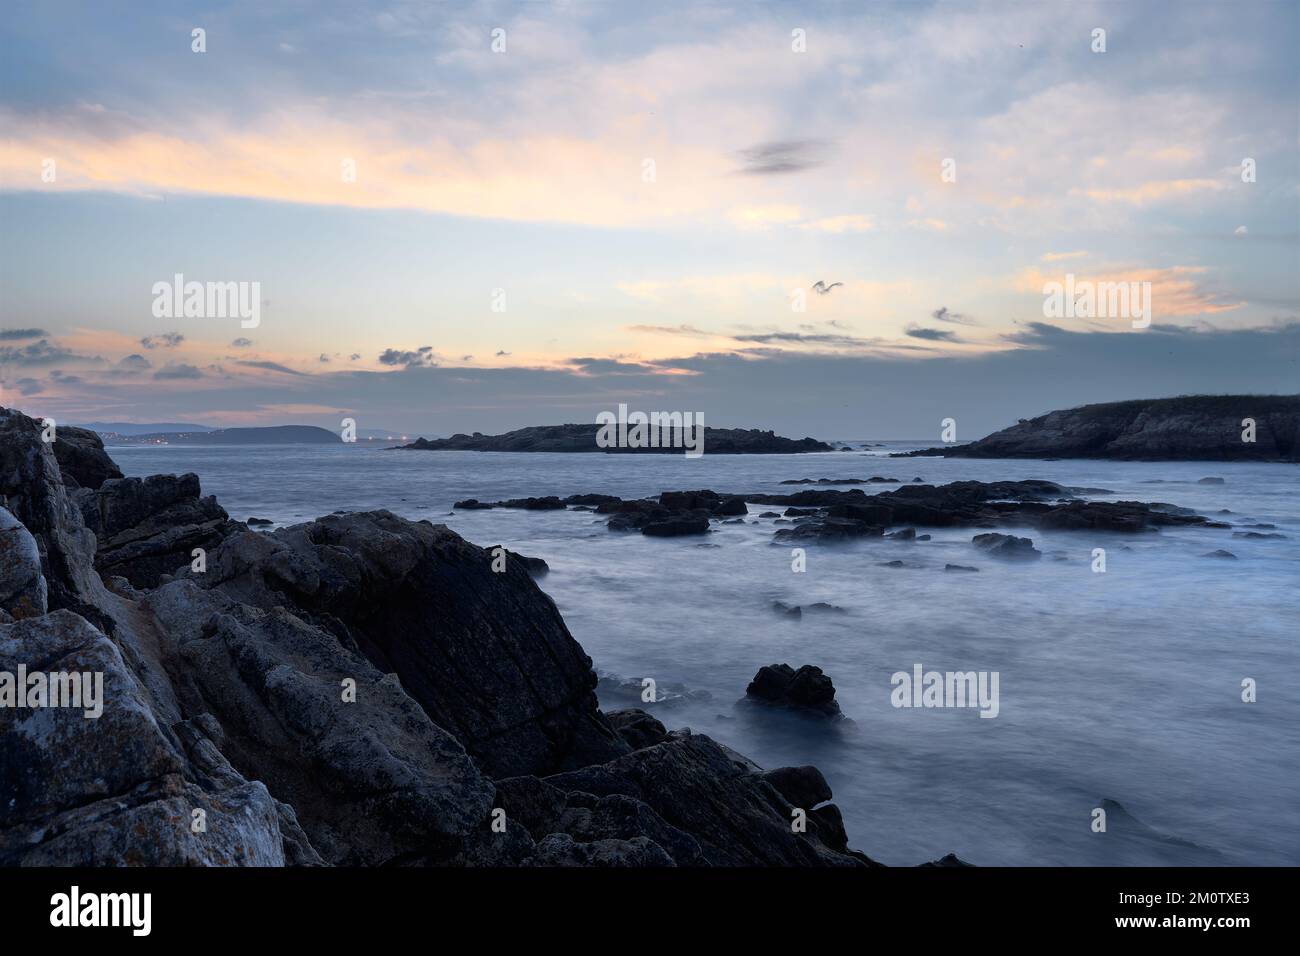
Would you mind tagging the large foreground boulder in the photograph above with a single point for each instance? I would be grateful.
(146, 528)
(32, 489)
(22, 586)
(486, 654)
(82, 459)
(116, 788)
(370, 776)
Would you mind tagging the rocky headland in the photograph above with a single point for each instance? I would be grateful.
(357, 690)
(1189, 428)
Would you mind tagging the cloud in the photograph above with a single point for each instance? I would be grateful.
(29, 386)
(17, 335)
(779, 158)
(1177, 291)
(241, 343)
(687, 330)
(268, 366)
(501, 353)
(933, 335)
(323, 358)
(944, 314)
(608, 366)
(177, 371)
(135, 362)
(799, 338)
(422, 357)
(1154, 191)
(165, 340)
(41, 353)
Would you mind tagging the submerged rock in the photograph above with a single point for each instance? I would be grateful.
(1007, 546)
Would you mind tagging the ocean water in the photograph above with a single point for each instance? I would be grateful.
(1123, 686)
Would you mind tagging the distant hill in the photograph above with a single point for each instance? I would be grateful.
(274, 435)
(582, 438)
(1188, 428)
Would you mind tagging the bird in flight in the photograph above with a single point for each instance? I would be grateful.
(821, 288)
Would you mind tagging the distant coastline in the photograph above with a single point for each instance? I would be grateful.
(273, 435)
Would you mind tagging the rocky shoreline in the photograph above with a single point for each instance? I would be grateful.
(357, 690)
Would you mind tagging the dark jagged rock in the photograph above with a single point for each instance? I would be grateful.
(259, 522)
(675, 526)
(1220, 553)
(959, 567)
(590, 499)
(735, 816)
(114, 790)
(370, 778)
(537, 567)
(637, 727)
(472, 504)
(486, 654)
(549, 503)
(796, 611)
(33, 490)
(23, 592)
(532, 802)
(948, 860)
(828, 529)
(1192, 427)
(1007, 546)
(802, 786)
(148, 527)
(82, 459)
(582, 438)
(807, 689)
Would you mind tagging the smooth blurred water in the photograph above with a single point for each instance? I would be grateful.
(1123, 685)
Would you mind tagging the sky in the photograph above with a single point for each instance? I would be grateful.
(481, 216)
